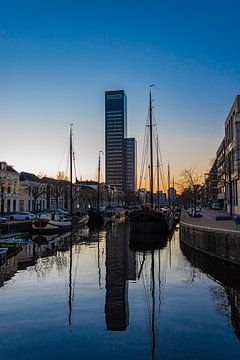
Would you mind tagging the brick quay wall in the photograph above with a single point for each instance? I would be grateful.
(218, 239)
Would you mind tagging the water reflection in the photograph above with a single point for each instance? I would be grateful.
(120, 267)
(154, 303)
(227, 295)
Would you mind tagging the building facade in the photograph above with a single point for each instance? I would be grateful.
(120, 151)
(232, 157)
(130, 165)
(9, 183)
(224, 176)
(221, 175)
(32, 193)
(115, 132)
(211, 185)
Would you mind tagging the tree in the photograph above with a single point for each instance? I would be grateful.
(190, 183)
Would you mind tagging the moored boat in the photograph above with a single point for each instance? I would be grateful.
(51, 221)
(148, 223)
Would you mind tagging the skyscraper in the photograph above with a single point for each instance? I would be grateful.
(115, 132)
(130, 165)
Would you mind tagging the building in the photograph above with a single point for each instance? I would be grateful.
(9, 182)
(120, 151)
(171, 196)
(211, 185)
(130, 165)
(115, 132)
(232, 157)
(223, 181)
(221, 175)
(32, 193)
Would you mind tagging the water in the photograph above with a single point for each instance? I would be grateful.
(102, 300)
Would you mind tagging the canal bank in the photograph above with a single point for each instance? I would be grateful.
(217, 238)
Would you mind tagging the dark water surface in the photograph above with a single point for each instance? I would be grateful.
(101, 300)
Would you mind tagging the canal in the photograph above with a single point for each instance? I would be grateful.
(89, 296)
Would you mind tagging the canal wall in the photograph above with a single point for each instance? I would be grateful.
(222, 244)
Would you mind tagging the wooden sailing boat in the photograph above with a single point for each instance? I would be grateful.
(148, 225)
(96, 216)
(83, 218)
(55, 221)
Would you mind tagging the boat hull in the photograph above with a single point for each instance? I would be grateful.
(148, 227)
(46, 226)
(97, 218)
(50, 226)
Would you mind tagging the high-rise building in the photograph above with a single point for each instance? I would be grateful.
(115, 132)
(130, 164)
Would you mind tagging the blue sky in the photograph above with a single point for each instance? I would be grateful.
(58, 57)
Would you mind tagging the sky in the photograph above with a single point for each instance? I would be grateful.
(58, 57)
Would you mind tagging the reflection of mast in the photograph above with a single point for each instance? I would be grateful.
(99, 267)
(70, 287)
(153, 307)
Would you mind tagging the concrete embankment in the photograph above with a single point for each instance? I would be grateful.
(220, 239)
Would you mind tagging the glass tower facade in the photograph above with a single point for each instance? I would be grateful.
(130, 164)
(115, 132)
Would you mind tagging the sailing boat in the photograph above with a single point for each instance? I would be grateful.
(96, 216)
(54, 221)
(147, 225)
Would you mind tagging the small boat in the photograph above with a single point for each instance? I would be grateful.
(11, 243)
(51, 221)
(54, 221)
(3, 253)
(12, 235)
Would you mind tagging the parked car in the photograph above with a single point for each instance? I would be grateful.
(22, 216)
(3, 219)
(215, 206)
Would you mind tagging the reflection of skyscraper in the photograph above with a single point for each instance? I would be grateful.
(117, 265)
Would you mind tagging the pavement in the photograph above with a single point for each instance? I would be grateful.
(208, 221)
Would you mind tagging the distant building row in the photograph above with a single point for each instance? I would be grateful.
(27, 192)
(222, 183)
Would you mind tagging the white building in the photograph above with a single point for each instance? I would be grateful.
(9, 183)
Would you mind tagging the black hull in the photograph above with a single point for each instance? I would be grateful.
(96, 219)
(148, 229)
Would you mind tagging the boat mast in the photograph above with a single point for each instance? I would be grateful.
(169, 202)
(70, 292)
(98, 179)
(151, 147)
(158, 202)
(71, 184)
